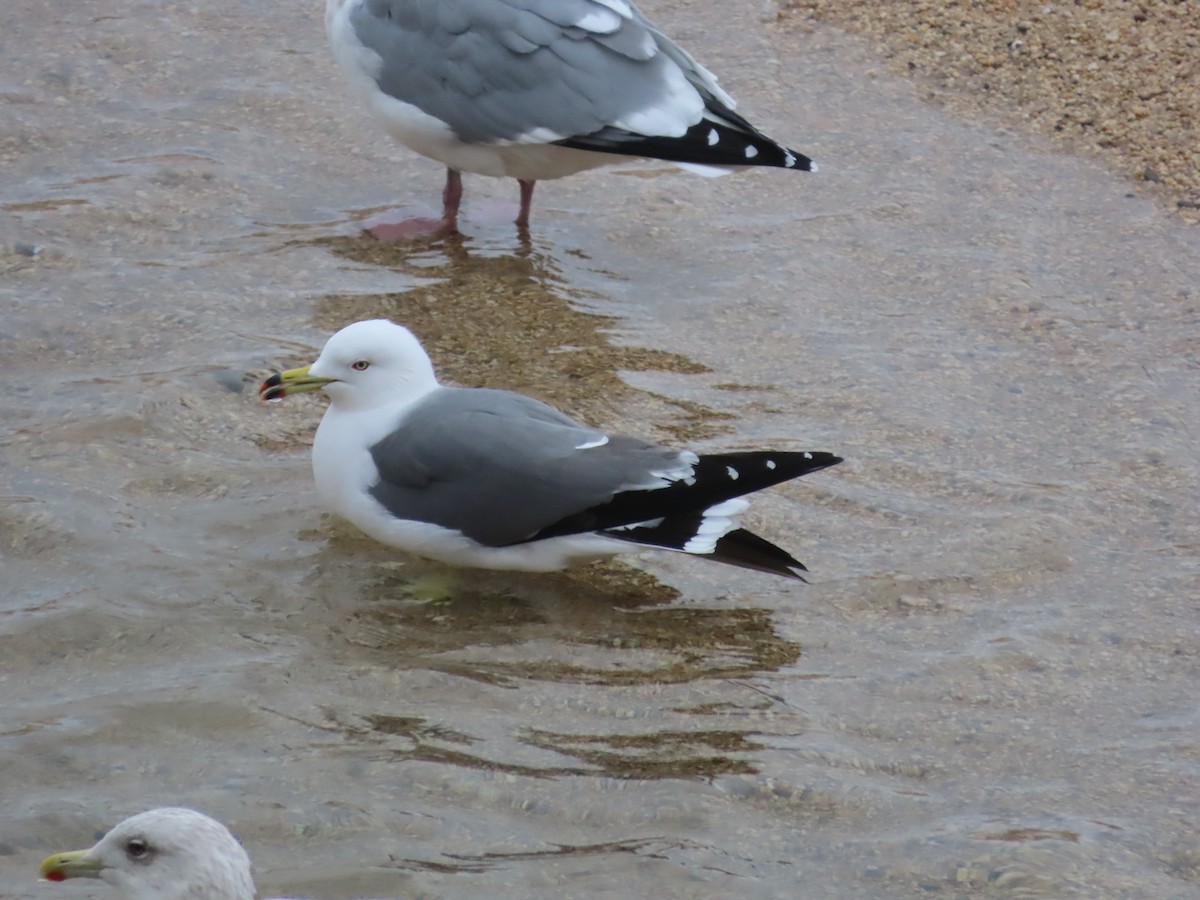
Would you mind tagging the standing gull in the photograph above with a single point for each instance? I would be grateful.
(164, 854)
(533, 89)
(488, 478)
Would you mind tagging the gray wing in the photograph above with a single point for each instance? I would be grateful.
(500, 467)
(541, 70)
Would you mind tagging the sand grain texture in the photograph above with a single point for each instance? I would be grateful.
(1108, 77)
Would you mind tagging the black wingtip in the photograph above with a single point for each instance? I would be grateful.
(721, 475)
(749, 551)
(739, 547)
(716, 477)
(707, 143)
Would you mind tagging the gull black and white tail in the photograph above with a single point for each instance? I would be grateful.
(722, 139)
(721, 142)
(697, 514)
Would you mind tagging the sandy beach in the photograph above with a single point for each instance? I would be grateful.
(1117, 80)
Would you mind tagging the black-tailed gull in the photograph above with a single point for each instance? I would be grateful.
(498, 480)
(164, 854)
(533, 89)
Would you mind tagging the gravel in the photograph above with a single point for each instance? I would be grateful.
(1109, 77)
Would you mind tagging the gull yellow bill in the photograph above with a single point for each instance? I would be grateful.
(291, 381)
(71, 864)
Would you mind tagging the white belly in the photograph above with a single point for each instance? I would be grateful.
(448, 546)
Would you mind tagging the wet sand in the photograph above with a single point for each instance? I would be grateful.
(986, 690)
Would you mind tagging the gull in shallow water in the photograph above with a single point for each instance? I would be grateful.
(164, 854)
(533, 89)
(498, 480)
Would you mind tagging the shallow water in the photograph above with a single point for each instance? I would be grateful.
(987, 689)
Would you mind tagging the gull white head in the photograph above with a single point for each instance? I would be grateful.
(365, 365)
(164, 854)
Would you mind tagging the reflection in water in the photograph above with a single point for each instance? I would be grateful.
(574, 632)
(702, 754)
(651, 755)
(510, 319)
(656, 755)
(604, 626)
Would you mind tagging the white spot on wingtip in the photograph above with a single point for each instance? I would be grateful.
(713, 137)
(770, 464)
(751, 151)
(789, 160)
(812, 167)
(731, 472)
(807, 455)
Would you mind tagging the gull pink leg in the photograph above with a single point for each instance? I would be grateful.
(387, 227)
(526, 201)
(451, 198)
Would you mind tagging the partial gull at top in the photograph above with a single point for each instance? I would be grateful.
(498, 480)
(533, 89)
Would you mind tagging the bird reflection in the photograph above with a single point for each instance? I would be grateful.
(517, 318)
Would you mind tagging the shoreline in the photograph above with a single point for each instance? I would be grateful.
(1112, 80)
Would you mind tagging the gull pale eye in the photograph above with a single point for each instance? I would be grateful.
(361, 366)
(137, 848)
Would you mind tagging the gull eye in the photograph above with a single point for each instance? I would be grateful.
(361, 366)
(137, 848)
